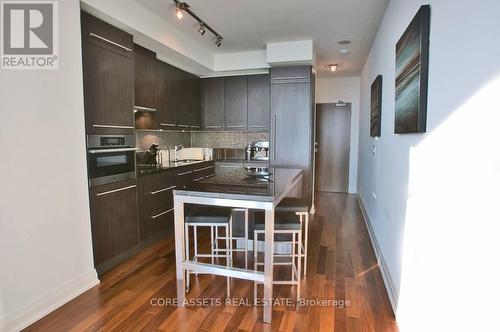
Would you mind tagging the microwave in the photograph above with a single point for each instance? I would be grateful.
(110, 158)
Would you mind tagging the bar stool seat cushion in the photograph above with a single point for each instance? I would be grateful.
(291, 204)
(283, 221)
(201, 214)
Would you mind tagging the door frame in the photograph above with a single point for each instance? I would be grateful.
(315, 144)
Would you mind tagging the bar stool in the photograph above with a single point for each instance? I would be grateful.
(284, 223)
(213, 217)
(301, 209)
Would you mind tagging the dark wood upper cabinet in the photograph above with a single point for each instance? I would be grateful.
(168, 80)
(213, 96)
(104, 35)
(193, 88)
(236, 103)
(182, 100)
(258, 102)
(145, 78)
(179, 98)
(108, 77)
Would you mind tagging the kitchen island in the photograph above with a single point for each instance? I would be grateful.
(236, 190)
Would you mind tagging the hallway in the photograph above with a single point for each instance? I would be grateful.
(342, 266)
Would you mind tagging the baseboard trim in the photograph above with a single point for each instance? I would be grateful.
(44, 305)
(389, 284)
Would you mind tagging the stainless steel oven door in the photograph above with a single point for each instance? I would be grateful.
(110, 165)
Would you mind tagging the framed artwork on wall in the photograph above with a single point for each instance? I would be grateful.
(412, 67)
(376, 107)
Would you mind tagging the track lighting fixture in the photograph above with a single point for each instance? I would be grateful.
(182, 7)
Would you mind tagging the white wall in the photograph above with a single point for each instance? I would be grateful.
(432, 198)
(331, 90)
(45, 241)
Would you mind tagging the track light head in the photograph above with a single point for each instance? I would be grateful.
(178, 13)
(201, 29)
(218, 41)
(180, 7)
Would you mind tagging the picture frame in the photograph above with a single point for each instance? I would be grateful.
(412, 71)
(376, 107)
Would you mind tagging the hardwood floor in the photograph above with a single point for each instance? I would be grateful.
(341, 266)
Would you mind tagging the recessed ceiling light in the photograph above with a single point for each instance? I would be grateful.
(344, 51)
(333, 67)
(344, 42)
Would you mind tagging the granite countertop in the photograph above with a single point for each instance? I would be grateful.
(243, 161)
(238, 185)
(149, 170)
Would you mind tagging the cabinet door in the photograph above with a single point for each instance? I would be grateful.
(236, 103)
(107, 77)
(183, 102)
(105, 217)
(291, 120)
(127, 232)
(114, 219)
(144, 77)
(194, 102)
(213, 90)
(108, 89)
(167, 82)
(297, 74)
(155, 204)
(258, 102)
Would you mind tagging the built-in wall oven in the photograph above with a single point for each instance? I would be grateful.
(110, 158)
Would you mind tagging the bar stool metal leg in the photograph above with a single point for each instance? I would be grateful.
(246, 238)
(195, 240)
(299, 258)
(228, 254)
(212, 244)
(186, 230)
(294, 275)
(255, 253)
(304, 220)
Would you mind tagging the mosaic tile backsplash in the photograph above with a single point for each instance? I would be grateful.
(228, 140)
(144, 139)
(219, 139)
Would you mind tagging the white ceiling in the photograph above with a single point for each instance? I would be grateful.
(248, 25)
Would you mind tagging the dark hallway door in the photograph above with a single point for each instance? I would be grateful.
(333, 123)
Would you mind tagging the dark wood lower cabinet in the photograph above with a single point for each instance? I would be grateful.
(128, 215)
(114, 222)
(156, 204)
